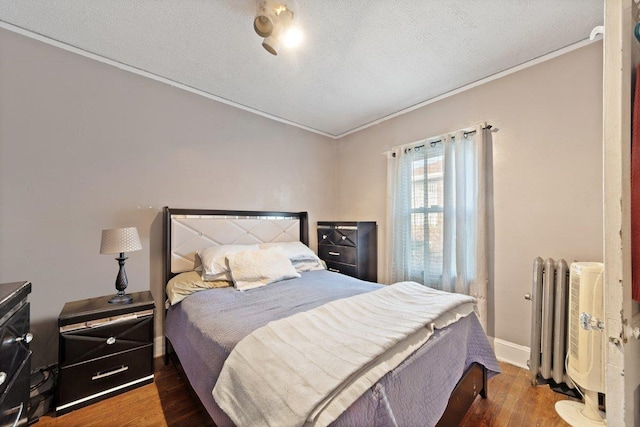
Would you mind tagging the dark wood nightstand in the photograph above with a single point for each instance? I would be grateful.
(104, 349)
(349, 247)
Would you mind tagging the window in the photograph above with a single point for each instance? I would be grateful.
(426, 216)
(437, 215)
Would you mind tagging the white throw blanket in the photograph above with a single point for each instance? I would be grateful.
(310, 367)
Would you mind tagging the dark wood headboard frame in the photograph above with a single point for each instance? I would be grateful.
(168, 212)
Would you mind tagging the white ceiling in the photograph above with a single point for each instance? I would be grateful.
(361, 60)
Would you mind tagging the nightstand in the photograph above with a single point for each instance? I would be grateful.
(349, 247)
(104, 349)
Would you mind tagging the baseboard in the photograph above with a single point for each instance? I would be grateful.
(513, 354)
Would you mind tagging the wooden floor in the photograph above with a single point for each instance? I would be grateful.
(512, 401)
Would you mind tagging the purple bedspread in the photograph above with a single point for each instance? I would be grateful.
(205, 327)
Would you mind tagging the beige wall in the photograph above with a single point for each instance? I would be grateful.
(85, 146)
(547, 171)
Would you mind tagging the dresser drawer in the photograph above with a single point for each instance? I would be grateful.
(14, 398)
(88, 343)
(338, 236)
(343, 254)
(337, 267)
(88, 378)
(13, 351)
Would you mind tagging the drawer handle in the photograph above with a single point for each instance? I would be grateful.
(324, 236)
(335, 270)
(3, 377)
(111, 340)
(344, 237)
(104, 374)
(27, 338)
(20, 409)
(334, 253)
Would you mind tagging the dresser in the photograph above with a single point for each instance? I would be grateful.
(104, 349)
(15, 356)
(349, 247)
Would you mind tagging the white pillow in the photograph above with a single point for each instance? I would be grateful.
(184, 284)
(305, 265)
(214, 265)
(295, 251)
(252, 269)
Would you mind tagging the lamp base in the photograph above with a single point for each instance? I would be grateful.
(121, 299)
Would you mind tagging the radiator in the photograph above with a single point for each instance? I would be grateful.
(549, 345)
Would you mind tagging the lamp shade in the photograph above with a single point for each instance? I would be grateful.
(118, 240)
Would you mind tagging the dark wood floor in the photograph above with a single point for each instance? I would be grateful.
(512, 401)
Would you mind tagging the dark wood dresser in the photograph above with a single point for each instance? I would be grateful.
(349, 247)
(15, 356)
(104, 349)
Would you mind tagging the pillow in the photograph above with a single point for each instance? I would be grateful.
(214, 266)
(252, 269)
(305, 265)
(295, 251)
(302, 258)
(184, 284)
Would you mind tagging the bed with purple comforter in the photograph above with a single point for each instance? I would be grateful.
(205, 327)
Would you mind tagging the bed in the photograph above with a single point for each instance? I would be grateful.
(434, 385)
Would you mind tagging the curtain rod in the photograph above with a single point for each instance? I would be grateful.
(433, 143)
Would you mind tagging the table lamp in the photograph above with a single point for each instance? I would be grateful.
(119, 241)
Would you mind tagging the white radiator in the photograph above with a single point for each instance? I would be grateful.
(549, 324)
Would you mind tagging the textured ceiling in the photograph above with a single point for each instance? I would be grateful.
(361, 60)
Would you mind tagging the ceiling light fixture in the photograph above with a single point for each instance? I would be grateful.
(274, 22)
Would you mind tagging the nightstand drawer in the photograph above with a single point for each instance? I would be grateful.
(88, 343)
(343, 254)
(337, 267)
(100, 375)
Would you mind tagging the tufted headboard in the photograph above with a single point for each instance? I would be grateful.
(188, 230)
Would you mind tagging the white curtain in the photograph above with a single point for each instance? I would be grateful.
(413, 255)
(443, 243)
